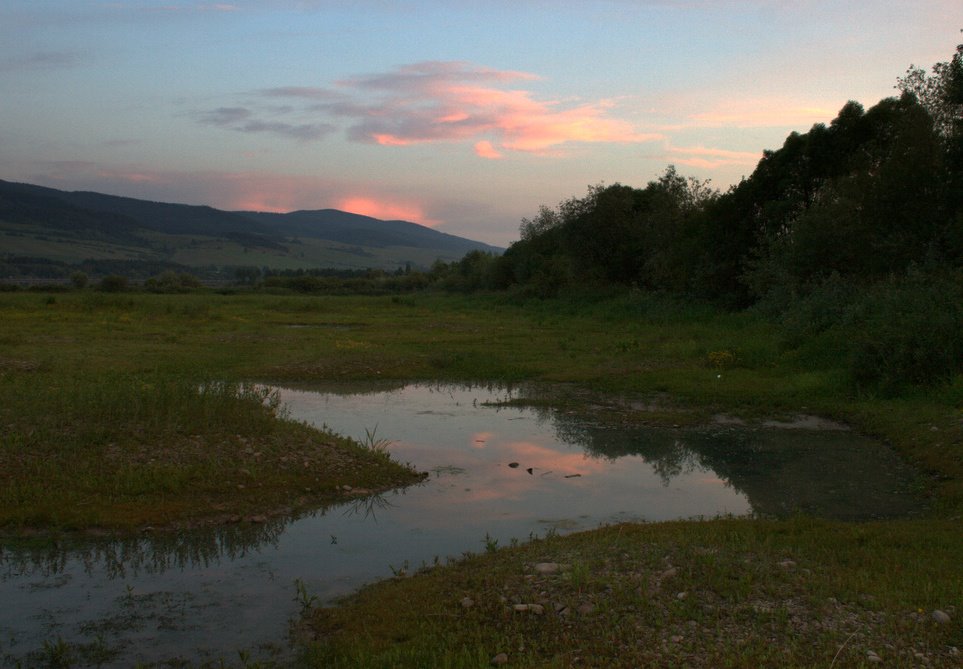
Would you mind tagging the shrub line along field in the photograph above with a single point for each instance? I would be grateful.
(121, 411)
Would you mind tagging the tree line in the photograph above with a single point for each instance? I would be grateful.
(865, 197)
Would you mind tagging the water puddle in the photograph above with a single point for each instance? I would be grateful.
(500, 470)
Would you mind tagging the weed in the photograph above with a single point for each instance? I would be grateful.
(578, 575)
(721, 359)
(375, 444)
(58, 653)
(626, 346)
(303, 597)
(401, 571)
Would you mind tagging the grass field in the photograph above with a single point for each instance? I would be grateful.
(124, 410)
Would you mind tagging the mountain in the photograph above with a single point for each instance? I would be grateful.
(49, 227)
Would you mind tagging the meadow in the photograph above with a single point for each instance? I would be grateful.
(126, 410)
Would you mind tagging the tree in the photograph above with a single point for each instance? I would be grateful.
(941, 93)
(79, 280)
(247, 275)
(113, 283)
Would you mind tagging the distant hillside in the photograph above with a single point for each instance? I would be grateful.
(359, 230)
(52, 229)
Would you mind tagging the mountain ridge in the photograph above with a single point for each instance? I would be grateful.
(73, 226)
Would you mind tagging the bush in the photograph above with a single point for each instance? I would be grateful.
(113, 283)
(908, 332)
(79, 280)
(827, 305)
(172, 282)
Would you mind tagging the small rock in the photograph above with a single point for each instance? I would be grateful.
(467, 602)
(513, 465)
(871, 656)
(346, 488)
(521, 608)
(675, 638)
(940, 616)
(537, 609)
(954, 651)
(681, 595)
(787, 564)
(548, 568)
(258, 519)
(530, 470)
(500, 659)
(668, 573)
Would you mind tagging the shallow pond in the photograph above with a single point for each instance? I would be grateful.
(500, 468)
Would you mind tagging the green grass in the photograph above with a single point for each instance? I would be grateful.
(723, 593)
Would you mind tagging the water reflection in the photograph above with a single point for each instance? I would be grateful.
(129, 557)
(502, 466)
(828, 472)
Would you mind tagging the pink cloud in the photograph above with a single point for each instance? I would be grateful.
(455, 102)
(709, 158)
(484, 149)
(386, 210)
(765, 112)
(385, 139)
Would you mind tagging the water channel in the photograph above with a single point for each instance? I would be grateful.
(502, 466)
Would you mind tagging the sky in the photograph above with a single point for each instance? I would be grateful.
(465, 116)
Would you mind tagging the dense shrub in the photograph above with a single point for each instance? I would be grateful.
(827, 305)
(113, 283)
(908, 332)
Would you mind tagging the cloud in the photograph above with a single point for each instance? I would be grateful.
(44, 60)
(456, 101)
(484, 149)
(710, 158)
(437, 101)
(185, 8)
(764, 113)
(385, 209)
(242, 119)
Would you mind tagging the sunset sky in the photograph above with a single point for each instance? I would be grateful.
(464, 116)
